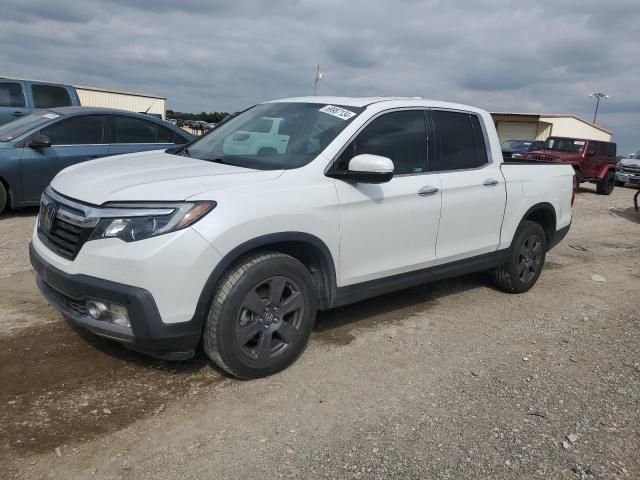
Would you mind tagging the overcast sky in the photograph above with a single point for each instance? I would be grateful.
(206, 55)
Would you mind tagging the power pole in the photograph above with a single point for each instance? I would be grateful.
(315, 82)
(598, 96)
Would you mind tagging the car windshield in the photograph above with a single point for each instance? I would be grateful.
(14, 129)
(274, 136)
(516, 145)
(636, 156)
(565, 144)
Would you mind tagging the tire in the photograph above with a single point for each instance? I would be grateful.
(605, 186)
(247, 312)
(526, 260)
(3, 198)
(618, 183)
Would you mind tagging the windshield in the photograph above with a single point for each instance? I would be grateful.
(14, 129)
(274, 136)
(516, 145)
(636, 156)
(565, 144)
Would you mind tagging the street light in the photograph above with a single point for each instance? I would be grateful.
(598, 96)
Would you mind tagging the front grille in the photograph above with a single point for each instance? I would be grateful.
(78, 306)
(61, 234)
(629, 169)
(544, 158)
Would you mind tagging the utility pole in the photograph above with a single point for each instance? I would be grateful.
(598, 96)
(318, 78)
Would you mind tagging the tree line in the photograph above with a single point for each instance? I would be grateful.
(211, 117)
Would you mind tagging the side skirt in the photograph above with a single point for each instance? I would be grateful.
(373, 288)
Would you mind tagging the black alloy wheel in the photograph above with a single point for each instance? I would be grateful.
(270, 318)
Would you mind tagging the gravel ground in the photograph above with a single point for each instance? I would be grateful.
(448, 380)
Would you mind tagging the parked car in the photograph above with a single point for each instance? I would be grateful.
(167, 250)
(34, 148)
(22, 97)
(628, 171)
(517, 148)
(594, 161)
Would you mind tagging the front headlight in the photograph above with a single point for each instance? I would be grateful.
(136, 221)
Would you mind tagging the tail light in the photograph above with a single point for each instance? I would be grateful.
(575, 188)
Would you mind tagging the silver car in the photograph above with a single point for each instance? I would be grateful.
(628, 171)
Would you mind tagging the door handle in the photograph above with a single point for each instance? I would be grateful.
(18, 114)
(428, 190)
(490, 182)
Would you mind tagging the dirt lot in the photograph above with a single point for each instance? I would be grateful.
(449, 380)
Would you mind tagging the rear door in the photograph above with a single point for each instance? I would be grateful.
(73, 140)
(473, 187)
(132, 134)
(13, 101)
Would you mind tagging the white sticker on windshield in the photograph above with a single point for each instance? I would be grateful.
(337, 112)
(50, 116)
(578, 142)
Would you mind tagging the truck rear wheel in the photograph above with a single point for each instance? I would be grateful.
(526, 260)
(261, 316)
(605, 186)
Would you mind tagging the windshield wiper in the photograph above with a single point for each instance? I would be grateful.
(185, 152)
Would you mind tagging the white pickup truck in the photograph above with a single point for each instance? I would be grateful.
(237, 249)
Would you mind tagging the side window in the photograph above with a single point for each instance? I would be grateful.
(165, 135)
(400, 136)
(478, 137)
(459, 141)
(135, 130)
(84, 130)
(48, 96)
(11, 95)
(611, 150)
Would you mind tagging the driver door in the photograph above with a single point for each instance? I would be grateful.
(73, 140)
(389, 228)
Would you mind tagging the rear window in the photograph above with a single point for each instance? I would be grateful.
(11, 95)
(49, 96)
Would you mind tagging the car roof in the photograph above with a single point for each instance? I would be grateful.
(363, 102)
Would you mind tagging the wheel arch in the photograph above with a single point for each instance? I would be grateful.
(544, 214)
(308, 249)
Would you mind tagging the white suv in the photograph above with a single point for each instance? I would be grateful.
(237, 248)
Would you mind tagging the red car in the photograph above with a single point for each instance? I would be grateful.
(593, 160)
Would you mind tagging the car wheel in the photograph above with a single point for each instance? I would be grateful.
(261, 316)
(526, 260)
(618, 183)
(605, 186)
(3, 197)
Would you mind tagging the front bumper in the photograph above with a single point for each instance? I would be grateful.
(631, 178)
(148, 334)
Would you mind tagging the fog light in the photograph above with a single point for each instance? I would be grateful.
(96, 310)
(108, 312)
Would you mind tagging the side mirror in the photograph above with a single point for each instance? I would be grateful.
(591, 153)
(367, 168)
(38, 141)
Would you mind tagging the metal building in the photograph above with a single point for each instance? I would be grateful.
(540, 126)
(133, 102)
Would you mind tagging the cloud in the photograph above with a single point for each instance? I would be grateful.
(502, 55)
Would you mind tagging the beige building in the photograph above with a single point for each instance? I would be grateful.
(133, 102)
(540, 126)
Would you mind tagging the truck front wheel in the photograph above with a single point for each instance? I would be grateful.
(526, 260)
(261, 316)
(3, 197)
(605, 186)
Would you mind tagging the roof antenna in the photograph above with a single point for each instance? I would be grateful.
(318, 78)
